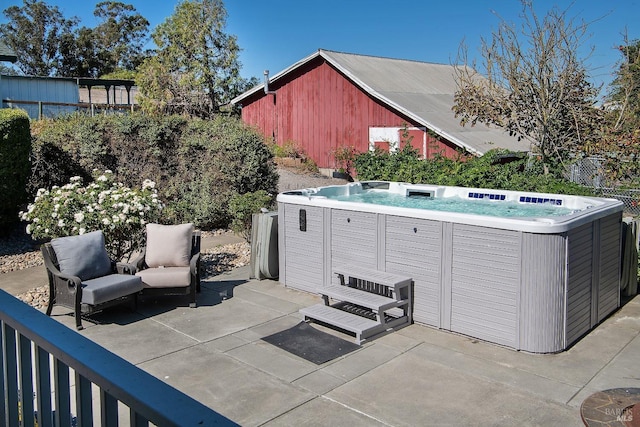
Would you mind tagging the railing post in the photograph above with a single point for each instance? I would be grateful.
(63, 403)
(108, 409)
(10, 373)
(43, 388)
(83, 401)
(39, 110)
(137, 420)
(26, 382)
(3, 385)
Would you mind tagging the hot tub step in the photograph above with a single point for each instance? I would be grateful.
(390, 280)
(362, 298)
(359, 325)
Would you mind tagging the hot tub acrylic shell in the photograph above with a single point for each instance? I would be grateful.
(530, 284)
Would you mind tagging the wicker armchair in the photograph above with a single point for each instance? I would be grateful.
(169, 263)
(84, 279)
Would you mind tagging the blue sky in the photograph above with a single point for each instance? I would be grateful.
(276, 33)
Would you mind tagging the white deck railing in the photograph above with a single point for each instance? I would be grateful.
(49, 372)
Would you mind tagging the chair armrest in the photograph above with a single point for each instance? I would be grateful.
(194, 264)
(138, 262)
(126, 268)
(60, 277)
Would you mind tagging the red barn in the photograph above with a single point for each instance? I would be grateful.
(331, 100)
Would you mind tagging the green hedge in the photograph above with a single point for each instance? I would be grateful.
(198, 165)
(15, 145)
(492, 170)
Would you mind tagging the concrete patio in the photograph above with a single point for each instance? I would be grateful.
(414, 376)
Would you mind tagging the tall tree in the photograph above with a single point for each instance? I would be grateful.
(49, 44)
(618, 148)
(534, 84)
(624, 95)
(196, 67)
(35, 31)
(120, 36)
(85, 59)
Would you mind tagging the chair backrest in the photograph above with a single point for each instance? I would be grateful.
(170, 245)
(84, 256)
(49, 255)
(141, 263)
(50, 259)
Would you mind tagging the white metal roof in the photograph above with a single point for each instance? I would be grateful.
(420, 90)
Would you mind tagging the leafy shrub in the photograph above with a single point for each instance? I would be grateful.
(289, 149)
(403, 166)
(219, 158)
(292, 155)
(15, 144)
(120, 212)
(243, 206)
(497, 169)
(344, 157)
(197, 164)
(308, 165)
(618, 151)
(50, 166)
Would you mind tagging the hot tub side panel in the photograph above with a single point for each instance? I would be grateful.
(301, 250)
(484, 283)
(354, 239)
(542, 297)
(414, 248)
(609, 265)
(579, 282)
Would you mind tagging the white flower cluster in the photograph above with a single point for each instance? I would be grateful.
(74, 209)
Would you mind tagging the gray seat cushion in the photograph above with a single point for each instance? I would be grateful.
(107, 288)
(83, 256)
(165, 277)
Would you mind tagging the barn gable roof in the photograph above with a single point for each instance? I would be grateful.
(419, 90)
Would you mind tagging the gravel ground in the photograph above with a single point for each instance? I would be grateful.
(18, 250)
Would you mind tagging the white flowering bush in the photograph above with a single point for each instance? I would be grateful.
(73, 209)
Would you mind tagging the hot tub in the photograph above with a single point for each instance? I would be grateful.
(534, 283)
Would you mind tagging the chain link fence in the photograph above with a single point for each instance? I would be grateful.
(630, 198)
(589, 172)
